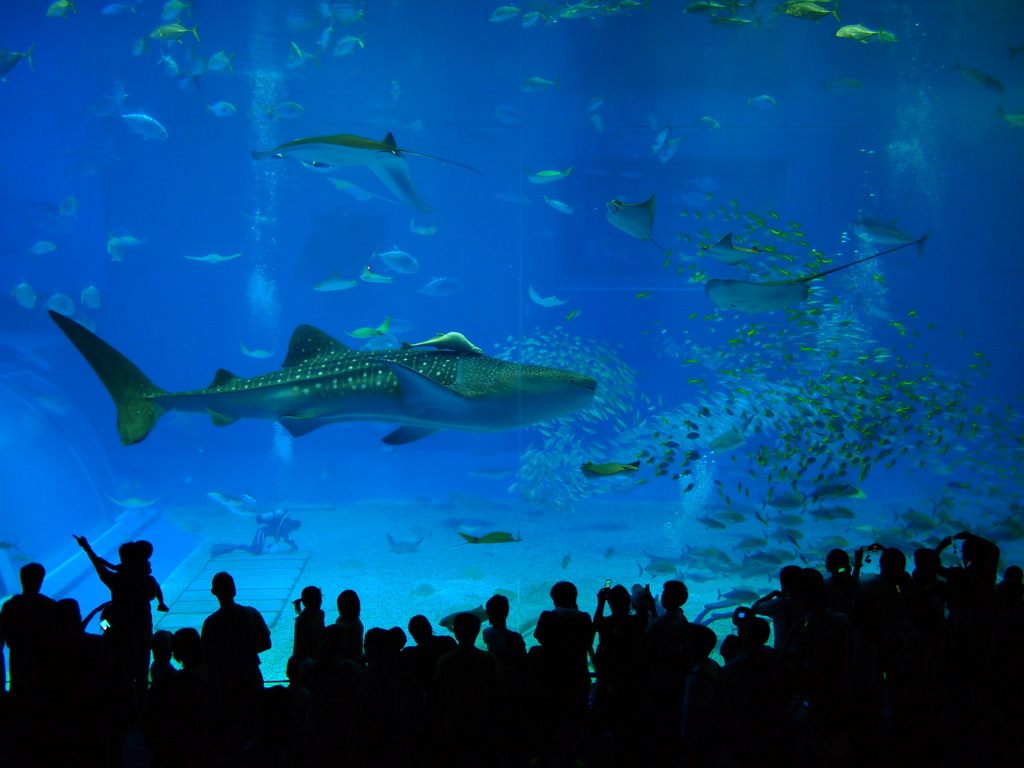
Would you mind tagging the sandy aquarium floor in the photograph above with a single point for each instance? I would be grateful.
(348, 548)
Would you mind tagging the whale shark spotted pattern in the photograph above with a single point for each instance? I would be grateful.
(322, 381)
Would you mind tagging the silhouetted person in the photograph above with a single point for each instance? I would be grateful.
(466, 683)
(701, 696)
(841, 584)
(27, 623)
(419, 665)
(161, 671)
(121, 647)
(924, 681)
(337, 690)
(618, 663)
(499, 639)
(889, 591)
(971, 591)
(815, 661)
(196, 722)
(1006, 663)
(1009, 592)
(133, 588)
(781, 606)
(383, 737)
(350, 639)
(667, 646)
(516, 690)
(420, 660)
(144, 551)
(926, 589)
(753, 699)
(158, 713)
(233, 637)
(309, 624)
(26, 626)
(566, 635)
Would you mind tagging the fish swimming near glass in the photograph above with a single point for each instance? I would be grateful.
(384, 158)
(322, 381)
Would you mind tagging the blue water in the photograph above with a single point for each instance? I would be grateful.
(917, 143)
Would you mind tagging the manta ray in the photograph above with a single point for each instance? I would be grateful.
(331, 153)
(322, 381)
(636, 219)
(766, 297)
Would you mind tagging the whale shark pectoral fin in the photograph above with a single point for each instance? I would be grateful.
(423, 399)
(297, 427)
(404, 435)
(393, 171)
(221, 419)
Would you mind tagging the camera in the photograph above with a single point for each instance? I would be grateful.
(868, 549)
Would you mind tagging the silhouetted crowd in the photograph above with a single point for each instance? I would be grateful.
(919, 668)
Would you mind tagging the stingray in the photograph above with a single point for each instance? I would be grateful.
(636, 219)
(724, 250)
(550, 301)
(331, 153)
(766, 297)
(403, 547)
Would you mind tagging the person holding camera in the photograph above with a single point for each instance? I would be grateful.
(781, 605)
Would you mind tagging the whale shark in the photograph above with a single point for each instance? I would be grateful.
(322, 381)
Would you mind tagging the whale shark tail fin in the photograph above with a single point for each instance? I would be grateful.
(130, 388)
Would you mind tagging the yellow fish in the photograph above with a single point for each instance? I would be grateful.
(367, 333)
(173, 31)
(546, 177)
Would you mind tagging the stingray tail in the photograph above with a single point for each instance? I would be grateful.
(920, 244)
(392, 145)
(920, 250)
(441, 159)
(129, 387)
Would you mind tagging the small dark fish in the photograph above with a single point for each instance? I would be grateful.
(495, 537)
(688, 488)
(981, 78)
(693, 436)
